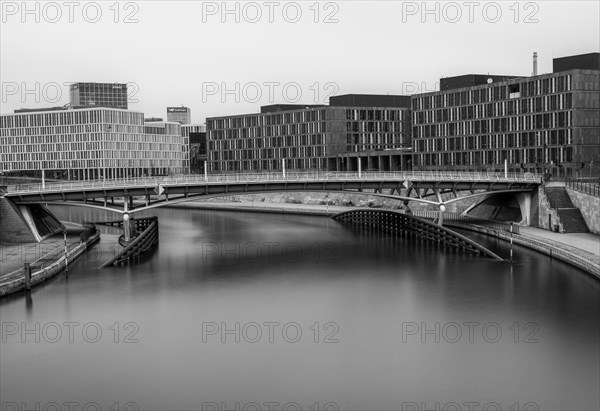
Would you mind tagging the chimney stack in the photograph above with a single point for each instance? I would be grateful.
(535, 71)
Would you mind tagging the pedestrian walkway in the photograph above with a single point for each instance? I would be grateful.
(584, 241)
(14, 256)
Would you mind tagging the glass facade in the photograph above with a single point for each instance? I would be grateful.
(306, 139)
(112, 95)
(91, 143)
(537, 123)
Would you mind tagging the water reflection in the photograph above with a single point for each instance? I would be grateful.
(362, 288)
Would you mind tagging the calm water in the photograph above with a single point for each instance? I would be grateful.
(266, 312)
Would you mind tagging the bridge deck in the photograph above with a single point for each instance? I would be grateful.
(413, 177)
(238, 183)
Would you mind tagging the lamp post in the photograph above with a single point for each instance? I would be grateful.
(441, 214)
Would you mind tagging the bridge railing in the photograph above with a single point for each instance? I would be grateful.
(466, 219)
(313, 176)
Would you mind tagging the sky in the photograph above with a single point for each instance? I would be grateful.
(223, 58)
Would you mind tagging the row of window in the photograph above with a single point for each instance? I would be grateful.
(266, 119)
(71, 117)
(492, 110)
(391, 140)
(268, 153)
(556, 156)
(106, 155)
(144, 142)
(485, 93)
(378, 115)
(546, 138)
(305, 140)
(538, 122)
(267, 131)
(378, 126)
(265, 165)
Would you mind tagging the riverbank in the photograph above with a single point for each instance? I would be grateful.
(579, 250)
(46, 259)
(576, 249)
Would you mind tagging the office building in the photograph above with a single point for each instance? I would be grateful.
(111, 95)
(181, 115)
(548, 122)
(313, 137)
(196, 135)
(91, 143)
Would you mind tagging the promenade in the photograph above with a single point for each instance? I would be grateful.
(586, 242)
(14, 256)
(46, 259)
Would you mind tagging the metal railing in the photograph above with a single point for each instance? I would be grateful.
(496, 225)
(146, 239)
(421, 176)
(406, 224)
(591, 187)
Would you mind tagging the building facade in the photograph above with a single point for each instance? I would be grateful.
(111, 95)
(196, 135)
(181, 115)
(306, 137)
(549, 122)
(91, 144)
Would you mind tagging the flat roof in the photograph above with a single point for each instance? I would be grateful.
(71, 110)
(505, 82)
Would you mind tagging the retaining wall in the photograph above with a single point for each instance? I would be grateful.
(589, 207)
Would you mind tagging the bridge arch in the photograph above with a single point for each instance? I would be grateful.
(406, 224)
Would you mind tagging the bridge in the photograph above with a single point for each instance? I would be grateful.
(425, 187)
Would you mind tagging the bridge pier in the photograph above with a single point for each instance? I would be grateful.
(126, 228)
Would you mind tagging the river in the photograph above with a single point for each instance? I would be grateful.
(269, 312)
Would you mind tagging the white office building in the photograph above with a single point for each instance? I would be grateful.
(91, 143)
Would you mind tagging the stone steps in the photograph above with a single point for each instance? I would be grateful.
(558, 197)
(572, 220)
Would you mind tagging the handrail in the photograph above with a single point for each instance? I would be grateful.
(423, 176)
(467, 219)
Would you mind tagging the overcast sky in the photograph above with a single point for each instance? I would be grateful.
(191, 53)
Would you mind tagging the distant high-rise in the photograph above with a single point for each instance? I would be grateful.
(182, 115)
(110, 95)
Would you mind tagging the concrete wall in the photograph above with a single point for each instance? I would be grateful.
(545, 213)
(589, 207)
(13, 228)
